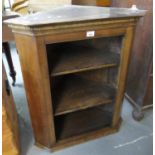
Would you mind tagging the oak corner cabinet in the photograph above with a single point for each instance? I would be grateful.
(74, 63)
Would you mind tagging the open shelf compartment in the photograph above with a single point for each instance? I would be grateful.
(78, 56)
(81, 91)
(83, 77)
(82, 122)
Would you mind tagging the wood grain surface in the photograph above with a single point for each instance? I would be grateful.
(41, 86)
(74, 93)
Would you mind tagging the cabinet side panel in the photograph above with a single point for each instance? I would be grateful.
(34, 66)
(125, 55)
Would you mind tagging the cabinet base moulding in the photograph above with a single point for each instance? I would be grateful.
(82, 138)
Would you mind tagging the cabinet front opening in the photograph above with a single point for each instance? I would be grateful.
(83, 122)
(83, 77)
(78, 56)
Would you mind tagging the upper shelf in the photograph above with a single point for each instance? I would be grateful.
(77, 59)
(73, 13)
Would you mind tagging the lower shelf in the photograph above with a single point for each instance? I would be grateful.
(81, 122)
(60, 144)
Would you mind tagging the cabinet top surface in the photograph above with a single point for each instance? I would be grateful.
(73, 13)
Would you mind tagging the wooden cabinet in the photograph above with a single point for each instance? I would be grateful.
(74, 69)
(139, 88)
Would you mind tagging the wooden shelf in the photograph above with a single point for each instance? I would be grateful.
(77, 59)
(76, 93)
(81, 122)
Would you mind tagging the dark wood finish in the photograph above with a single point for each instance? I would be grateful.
(72, 59)
(139, 84)
(39, 112)
(10, 119)
(37, 85)
(127, 43)
(32, 39)
(75, 93)
(79, 122)
(148, 98)
(6, 49)
(84, 137)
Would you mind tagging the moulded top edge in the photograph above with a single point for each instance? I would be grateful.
(74, 13)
